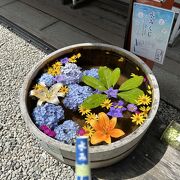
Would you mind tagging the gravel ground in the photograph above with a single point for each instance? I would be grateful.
(21, 157)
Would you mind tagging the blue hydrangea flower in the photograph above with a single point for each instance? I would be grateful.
(76, 95)
(47, 79)
(66, 132)
(92, 72)
(71, 74)
(48, 114)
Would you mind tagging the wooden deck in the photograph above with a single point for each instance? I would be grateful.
(105, 21)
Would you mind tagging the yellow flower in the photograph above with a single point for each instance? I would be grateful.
(138, 119)
(55, 69)
(83, 110)
(48, 95)
(133, 75)
(137, 68)
(91, 118)
(89, 130)
(121, 59)
(149, 90)
(78, 55)
(73, 59)
(57, 65)
(39, 87)
(144, 99)
(64, 89)
(107, 103)
(145, 110)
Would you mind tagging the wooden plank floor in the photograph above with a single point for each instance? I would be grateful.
(105, 21)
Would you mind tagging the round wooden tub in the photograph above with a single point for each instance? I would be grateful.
(95, 55)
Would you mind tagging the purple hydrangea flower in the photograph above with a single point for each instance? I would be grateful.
(58, 78)
(112, 92)
(64, 60)
(92, 72)
(76, 95)
(132, 107)
(115, 112)
(71, 74)
(48, 114)
(67, 132)
(47, 79)
(46, 130)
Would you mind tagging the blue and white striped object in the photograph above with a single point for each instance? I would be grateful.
(82, 159)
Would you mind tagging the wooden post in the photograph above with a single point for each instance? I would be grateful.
(167, 4)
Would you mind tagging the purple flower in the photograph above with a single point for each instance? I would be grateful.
(137, 112)
(67, 132)
(64, 60)
(59, 78)
(47, 79)
(132, 107)
(91, 72)
(117, 109)
(81, 132)
(71, 73)
(97, 92)
(118, 104)
(46, 130)
(115, 112)
(112, 92)
(48, 114)
(76, 95)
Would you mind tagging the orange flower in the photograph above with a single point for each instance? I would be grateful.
(105, 129)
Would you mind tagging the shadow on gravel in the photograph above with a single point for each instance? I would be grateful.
(147, 154)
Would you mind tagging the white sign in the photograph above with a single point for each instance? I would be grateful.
(151, 27)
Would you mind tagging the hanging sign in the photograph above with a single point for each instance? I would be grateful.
(151, 27)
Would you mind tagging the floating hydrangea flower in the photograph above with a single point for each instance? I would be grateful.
(48, 114)
(112, 92)
(46, 130)
(67, 132)
(76, 95)
(132, 107)
(47, 79)
(92, 72)
(71, 74)
(58, 78)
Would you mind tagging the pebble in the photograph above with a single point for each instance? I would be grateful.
(22, 157)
